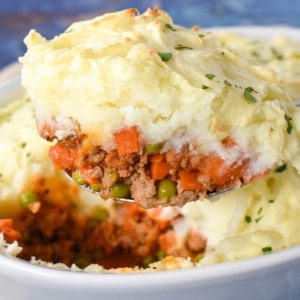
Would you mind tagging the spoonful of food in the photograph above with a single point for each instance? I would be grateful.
(153, 112)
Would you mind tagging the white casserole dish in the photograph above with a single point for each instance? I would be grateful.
(272, 276)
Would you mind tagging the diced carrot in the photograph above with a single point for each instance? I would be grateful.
(127, 140)
(86, 173)
(62, 157)
(157, 157)
(167, 242)
(159, 170)
(10, 234)
(218, 172)
(6, 223)
(189, 181)
(228, 142)
(214, 167)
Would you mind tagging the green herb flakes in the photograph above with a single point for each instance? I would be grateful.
(281, 168)
(202, 35)
(289, 124)
(256, 54)
(169, 26)
(259, 211)
(181, 47)
(205, 87)
(248, 94)
(226, 82)
(23, 145)
(258, 219)
(165, 56)
(276, 54)
(210, 76)
(267, 249)
(248, 219)
(271, 201)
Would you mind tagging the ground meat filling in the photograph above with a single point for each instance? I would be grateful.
(145, 173)
(125, 235)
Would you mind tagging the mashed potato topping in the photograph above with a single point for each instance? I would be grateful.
(279, 54)
(23, 155)
(111, 88)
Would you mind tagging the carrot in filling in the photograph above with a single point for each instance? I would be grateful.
(189, 181)
(62, 157)
(6, 227)
(127, 140)
(157, 157)
(218, 172)
(86, 173)
(159, 170)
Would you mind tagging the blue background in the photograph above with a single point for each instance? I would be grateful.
(50, 17)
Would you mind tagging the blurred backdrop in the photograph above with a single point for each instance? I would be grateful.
(50, 17)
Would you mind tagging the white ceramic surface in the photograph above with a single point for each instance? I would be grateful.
(272, 276)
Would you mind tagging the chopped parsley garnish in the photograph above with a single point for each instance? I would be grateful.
(169, 26)
(248, 219)
(259, 211)
(165, 56)
(248, 94)
(289, 124)
(258, 219)
(1, 175)
(281, 168)
(23, 145)
(267, 249)
(276, 54)
(181, 47)
(205, 87)
(201, 35)
(271, 201)
(226, 82)
(210, 76)
(254, 53)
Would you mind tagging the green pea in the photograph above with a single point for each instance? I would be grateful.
(199, 256)
(113, 176)
(82, 260)
(166, 189)
(27, 198)
(78, 178)
(120, 190)
(147, 260)
(160, 255)
(153, 148)
(100, 214)
(96, 187)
